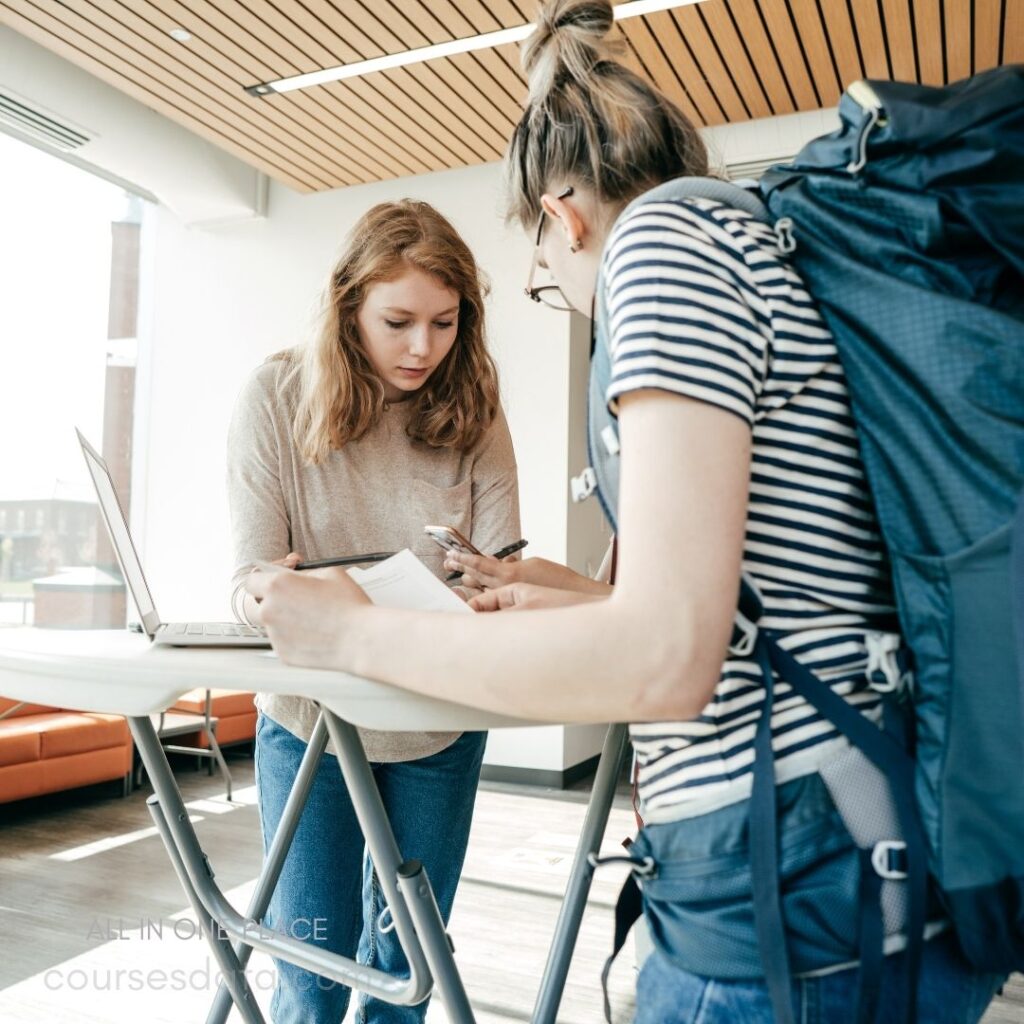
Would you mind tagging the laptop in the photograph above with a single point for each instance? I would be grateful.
(177, 634)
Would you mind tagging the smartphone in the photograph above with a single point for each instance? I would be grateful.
(450, 539)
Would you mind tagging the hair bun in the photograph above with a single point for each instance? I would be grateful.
(571, 37)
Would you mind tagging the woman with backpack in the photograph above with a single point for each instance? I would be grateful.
(736, 450)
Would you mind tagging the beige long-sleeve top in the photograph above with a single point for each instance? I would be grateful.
(375, 494)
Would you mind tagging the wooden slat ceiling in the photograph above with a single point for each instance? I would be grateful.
(721, 60)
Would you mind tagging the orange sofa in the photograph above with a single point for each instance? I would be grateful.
(44, 750)
(234, 711)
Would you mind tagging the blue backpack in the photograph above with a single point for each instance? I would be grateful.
(907, 226)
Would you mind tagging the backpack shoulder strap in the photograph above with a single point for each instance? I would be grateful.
(730, 193)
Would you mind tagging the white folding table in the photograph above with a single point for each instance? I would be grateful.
(123, 673)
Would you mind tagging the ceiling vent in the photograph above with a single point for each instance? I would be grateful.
(22, 117)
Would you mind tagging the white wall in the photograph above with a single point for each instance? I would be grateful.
(752, 144)
(128, 142)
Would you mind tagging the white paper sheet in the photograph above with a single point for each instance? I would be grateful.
(403, 581)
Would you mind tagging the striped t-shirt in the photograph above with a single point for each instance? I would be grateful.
(702, 303)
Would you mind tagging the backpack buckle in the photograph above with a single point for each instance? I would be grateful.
(744, 636)
(784, 235)
(583, 486)
(884, 673)
(611, 440)
(889, 859)
(744, 624)
(645, 868)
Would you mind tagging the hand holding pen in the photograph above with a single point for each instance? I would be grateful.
(509, 549)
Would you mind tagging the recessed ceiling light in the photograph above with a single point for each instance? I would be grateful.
(180, 35)
(631, 9)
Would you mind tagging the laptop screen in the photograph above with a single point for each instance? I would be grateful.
(113, 515)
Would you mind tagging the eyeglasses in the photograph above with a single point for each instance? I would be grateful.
(549, 294)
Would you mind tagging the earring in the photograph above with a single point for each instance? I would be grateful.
(576, 246)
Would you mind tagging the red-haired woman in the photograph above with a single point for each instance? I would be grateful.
(389, 420)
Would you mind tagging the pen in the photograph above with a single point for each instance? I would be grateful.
(509, 549)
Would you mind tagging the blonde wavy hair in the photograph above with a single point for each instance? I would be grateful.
(589, 120)
(341, 397)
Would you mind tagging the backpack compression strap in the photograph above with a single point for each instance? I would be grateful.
(881, 748)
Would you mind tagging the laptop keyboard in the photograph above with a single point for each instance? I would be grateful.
(214, 629)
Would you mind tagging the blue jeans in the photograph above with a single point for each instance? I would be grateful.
(328, 893)
(949, 992)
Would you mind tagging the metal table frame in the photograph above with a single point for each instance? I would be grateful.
(407, 889)
(207, 725)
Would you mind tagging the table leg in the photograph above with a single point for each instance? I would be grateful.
(232, 971)
(215, 747)
(403, 991)
(406, 885)
(274, 861)
(563, 943)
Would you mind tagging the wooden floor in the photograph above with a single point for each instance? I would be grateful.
(95, 930)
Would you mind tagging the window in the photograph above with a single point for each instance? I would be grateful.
(70, 263)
